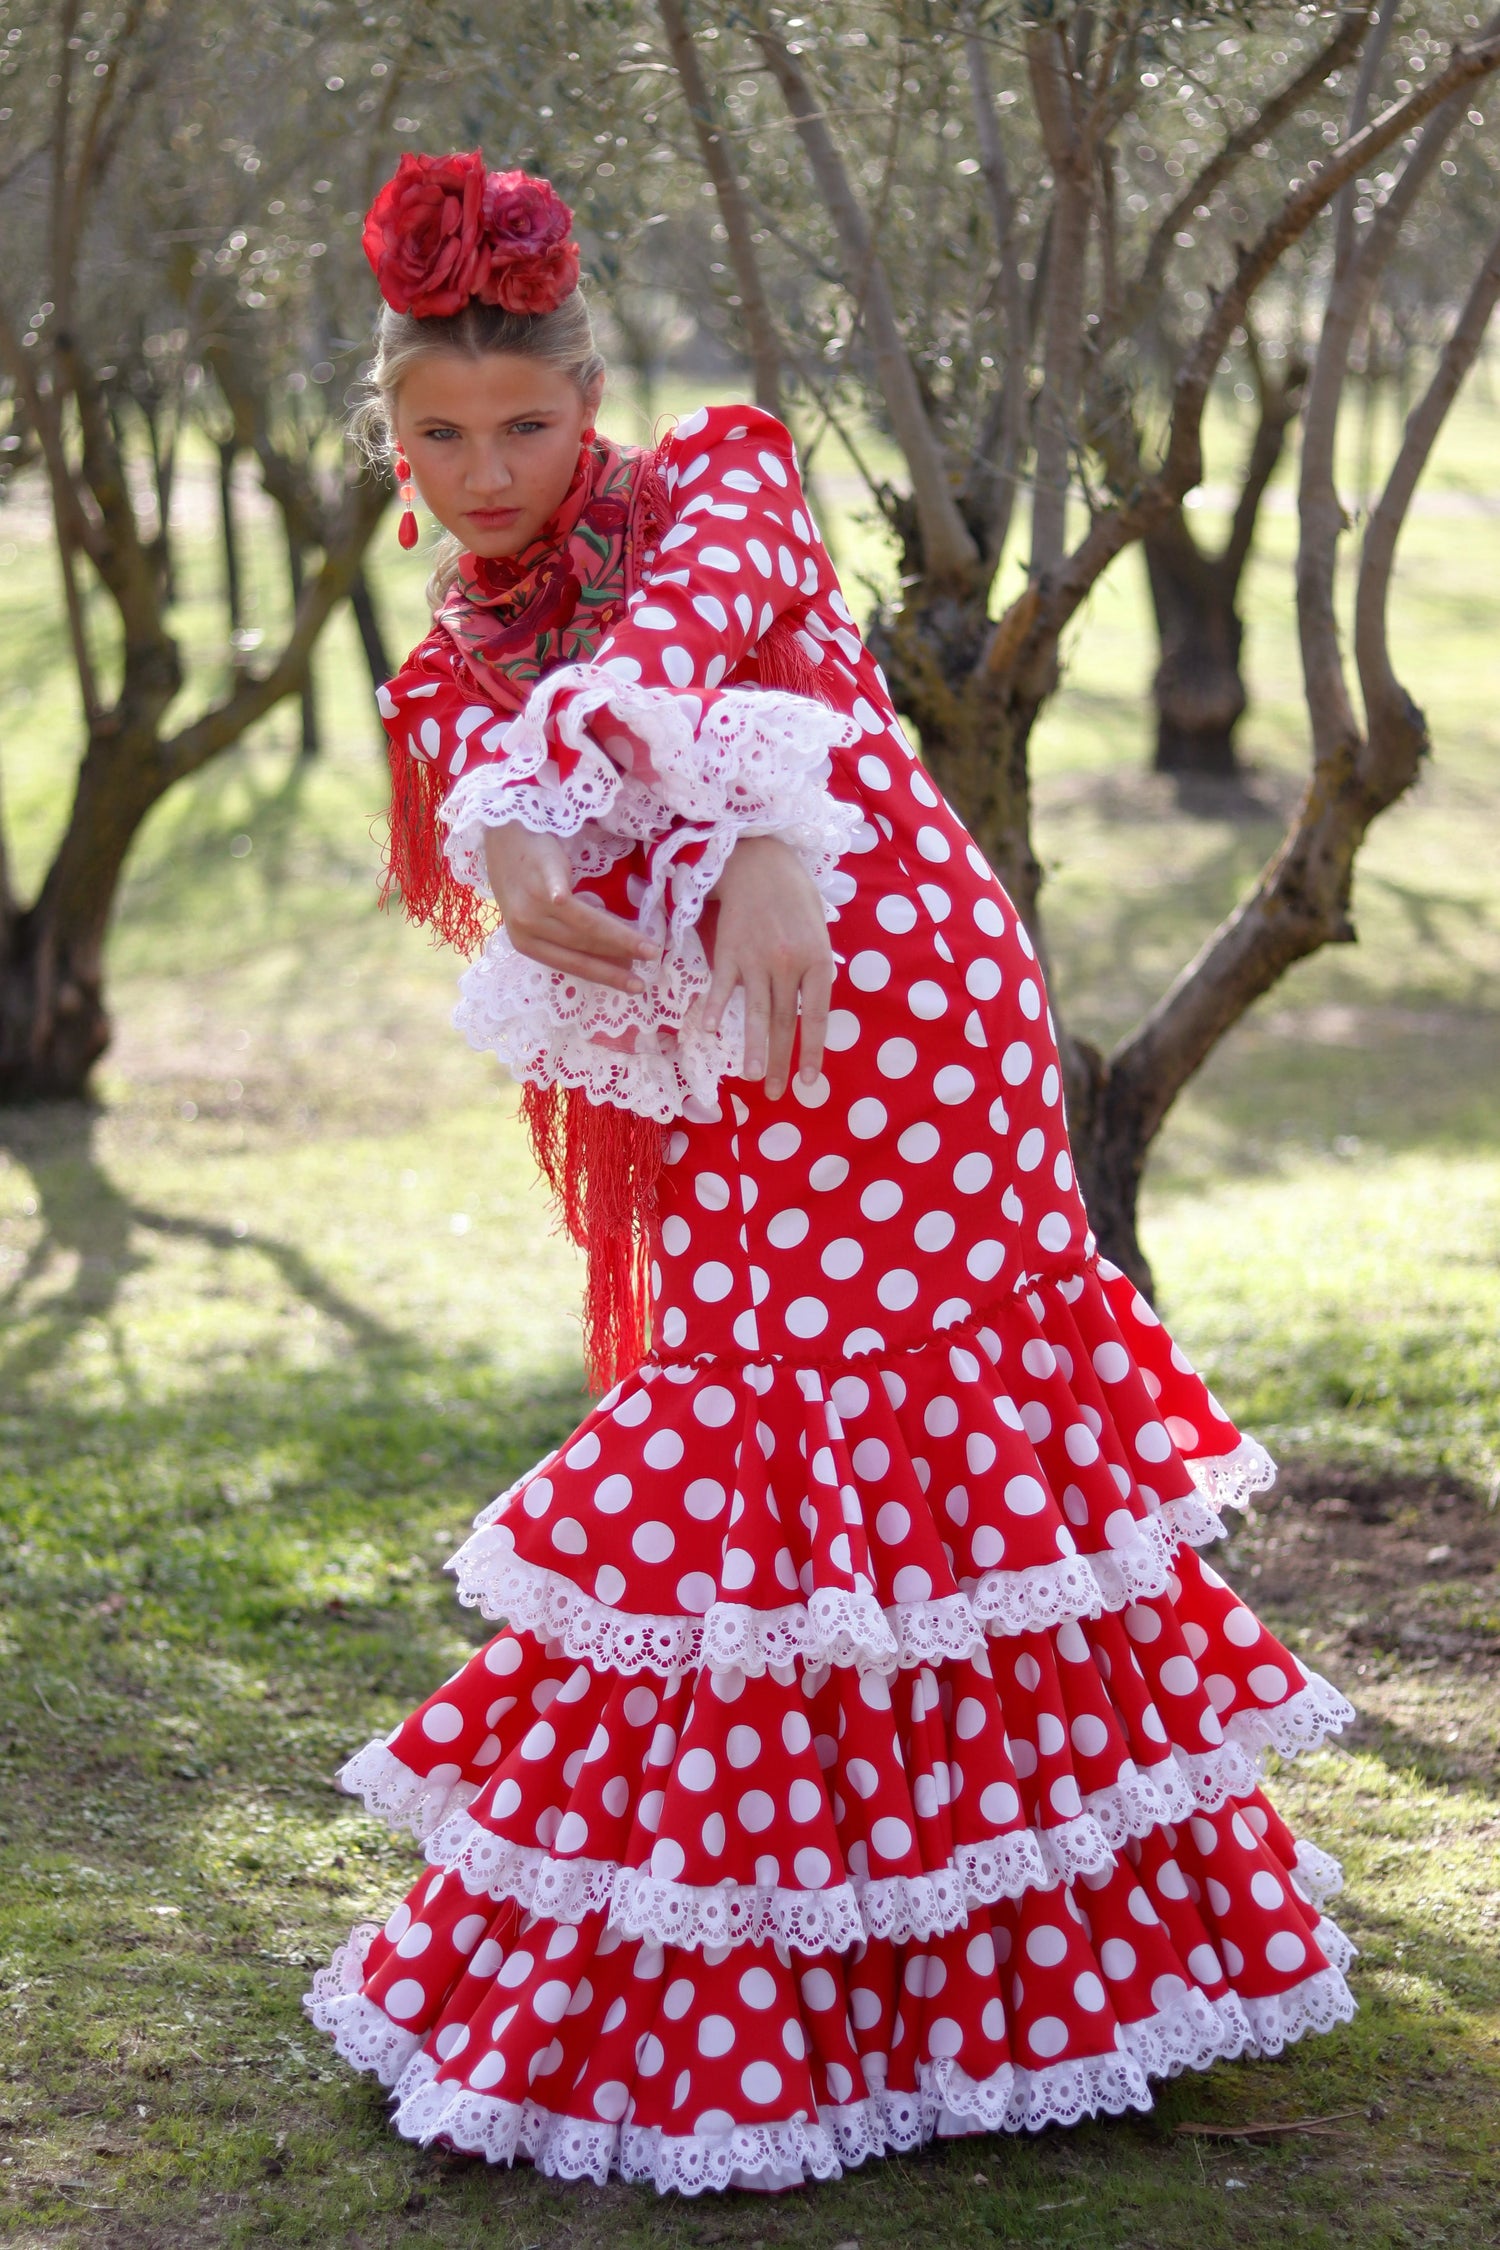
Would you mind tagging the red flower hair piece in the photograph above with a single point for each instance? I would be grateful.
(443, 231)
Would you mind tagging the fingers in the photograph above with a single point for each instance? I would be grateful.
(591, 967)
(817, 990)
(591, 930)
(757, 1023)
(783, 1029)
(726, 977)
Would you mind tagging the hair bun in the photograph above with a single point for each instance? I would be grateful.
(443, 231)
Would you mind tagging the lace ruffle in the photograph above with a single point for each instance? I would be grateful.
(898, 1907)
(361, 2032)
(692, 779)
(1190, 2034)
(835, 1625)
(1230, 1480)
(401, 1797)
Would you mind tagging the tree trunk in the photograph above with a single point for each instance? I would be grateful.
(1198, 689)
(54, 1025)
(372, 638)
(312, 740)
(234, 585)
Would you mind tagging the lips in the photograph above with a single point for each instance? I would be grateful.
(493, 519)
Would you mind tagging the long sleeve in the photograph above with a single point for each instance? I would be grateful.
(661, 754)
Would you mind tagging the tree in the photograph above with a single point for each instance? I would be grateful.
(1011, 355)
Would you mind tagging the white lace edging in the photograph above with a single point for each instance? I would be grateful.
(897, 1907)
(835, 1625)
(360, 2029)
(1192, 2033)
(400, 1796)
(687, 782)
(1230, 1480)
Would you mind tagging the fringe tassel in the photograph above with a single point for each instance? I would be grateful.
(416, 865)
(601, 1164)
(784, 664)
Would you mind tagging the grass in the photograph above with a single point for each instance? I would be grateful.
(284, 1308)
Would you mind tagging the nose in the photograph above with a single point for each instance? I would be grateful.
(488, 472)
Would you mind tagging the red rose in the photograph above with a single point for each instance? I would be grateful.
(523, 215)
(424, 235)
(533, 285)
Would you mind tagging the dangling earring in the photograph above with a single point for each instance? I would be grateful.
(406, 530)
(588, 435)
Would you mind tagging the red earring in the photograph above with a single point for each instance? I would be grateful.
(406, 529)
(588, 435)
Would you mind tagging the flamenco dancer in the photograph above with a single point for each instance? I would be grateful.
(866, 1752)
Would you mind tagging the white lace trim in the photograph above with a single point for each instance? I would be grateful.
(682, 775)
(899, 1907)
(835, 1625)
(361, 2030)
(1229, 1480)
(398, 1795)
(1190, 2035)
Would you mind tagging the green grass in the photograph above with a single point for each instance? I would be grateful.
(285, 1308)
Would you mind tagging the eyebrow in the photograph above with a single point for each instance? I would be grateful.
(521, 414)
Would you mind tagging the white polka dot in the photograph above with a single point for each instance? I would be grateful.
(934, 1230)
(972, 1173)
(953, 1084)
(891, 1837)
(443, 1722)
(927, 1000)
(896, 914)
(1240, 1627)
(897, 1289)
(1015, 1063)
(1152, 1442)
(1284, 1951)
(933, 845)
(663, 1449)
(1268, 1683)
(760, 2082)
(1048, 2036)
(979, 1451)
(787, 1229)
(1179, 1675)
(882, 1199)
(1117, 1959)
(1000, 1804)
(1054, 1231)
(714, 1406)
(985, 1259)
(780, 1141)
(406, 1998)
(842, 1031)
(1089, 1992)
(842, 1259)
(869, 972)
(828, 1173)
(867, 1118)
(896, 1058)
(919, 1143)
(704, 1499)
(806, 1316)
(715, 2036)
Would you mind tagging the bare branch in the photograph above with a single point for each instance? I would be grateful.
(251, 698)
(948, 549)
(1353, 26)
(1184, 459)
(734, 210)
(998, 504)
(1396, 732)
(1062, 312)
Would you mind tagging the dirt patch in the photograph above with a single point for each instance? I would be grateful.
(1381, 1561)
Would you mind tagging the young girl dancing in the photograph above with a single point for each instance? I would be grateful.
(867, 1753)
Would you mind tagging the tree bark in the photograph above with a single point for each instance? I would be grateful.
(371, 634)
(311, 738)
(1198, 689)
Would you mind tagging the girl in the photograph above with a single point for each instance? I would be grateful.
(867, 1753)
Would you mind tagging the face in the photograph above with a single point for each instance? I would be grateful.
(492, 443)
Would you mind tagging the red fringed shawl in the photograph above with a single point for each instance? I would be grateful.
(512, 620)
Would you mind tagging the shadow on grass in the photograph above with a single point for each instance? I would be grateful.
(84, 1215)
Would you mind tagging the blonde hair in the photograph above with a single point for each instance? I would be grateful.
(563, 339)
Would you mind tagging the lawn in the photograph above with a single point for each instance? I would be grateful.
(284, 1308)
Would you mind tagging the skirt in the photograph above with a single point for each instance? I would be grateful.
(867, 1752)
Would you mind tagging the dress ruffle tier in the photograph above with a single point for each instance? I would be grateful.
(904, 1782)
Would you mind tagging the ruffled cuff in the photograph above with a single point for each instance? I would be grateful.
(685, 776)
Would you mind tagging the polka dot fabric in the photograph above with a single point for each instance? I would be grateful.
(867, 1752)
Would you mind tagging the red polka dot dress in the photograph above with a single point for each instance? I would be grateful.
(866, 1751)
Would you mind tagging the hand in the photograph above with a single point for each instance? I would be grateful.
(533, 886)
(772, 939)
